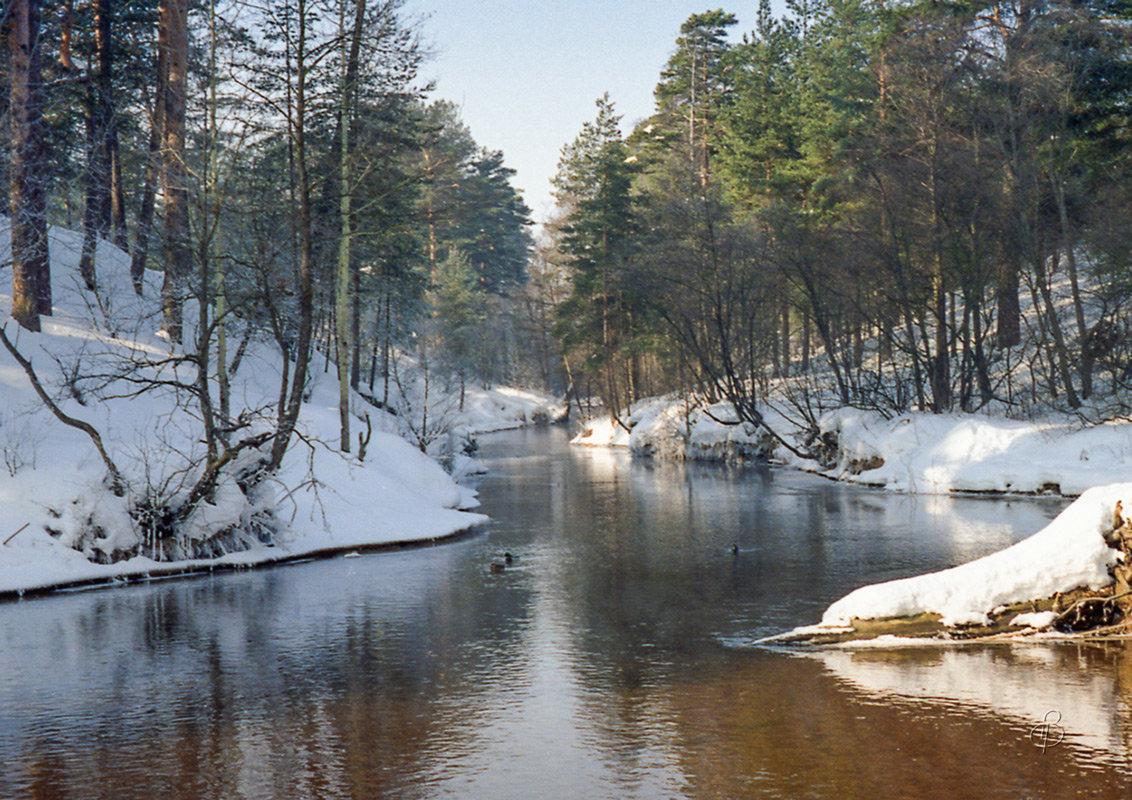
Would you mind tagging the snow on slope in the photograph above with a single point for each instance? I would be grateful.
(916, 452)
(51, 475)
(672, 427)
(503, 407)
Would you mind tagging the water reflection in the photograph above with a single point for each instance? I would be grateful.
(609, 661)
(1080, 691)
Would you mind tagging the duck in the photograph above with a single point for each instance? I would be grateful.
(500, 566)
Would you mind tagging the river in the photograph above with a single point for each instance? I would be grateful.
(612, 658)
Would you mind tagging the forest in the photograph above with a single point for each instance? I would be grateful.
(891, 205)
(282, 169)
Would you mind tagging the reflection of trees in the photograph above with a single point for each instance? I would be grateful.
(327, 680)
(651, 589)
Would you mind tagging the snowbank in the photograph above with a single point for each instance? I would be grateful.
(938, 453)
(1068, 553)
(53, 497)
(502, 407)
(914, 452)
(674, 427)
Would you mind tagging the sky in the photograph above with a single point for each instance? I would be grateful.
(526, 73)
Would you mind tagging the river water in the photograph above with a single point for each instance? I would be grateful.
(612, 659)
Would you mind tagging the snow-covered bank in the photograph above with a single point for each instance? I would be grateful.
(502, 408)
(913, 452)
(58, 516)
(939, 453)
(674, 427)
(1067, 554)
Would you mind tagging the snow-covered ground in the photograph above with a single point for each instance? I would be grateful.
(933, 454)
(676, 427)
(913, 452)
(51, 476)
(940, 453)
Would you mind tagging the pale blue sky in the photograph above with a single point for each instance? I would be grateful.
(526, 73)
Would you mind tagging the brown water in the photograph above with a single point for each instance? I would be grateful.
(612, 660)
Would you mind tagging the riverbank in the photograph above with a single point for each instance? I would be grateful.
(398, 497)
(912, 452)
(103, 359)
(1058, 583)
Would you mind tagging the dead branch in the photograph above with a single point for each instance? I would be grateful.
(17, 533)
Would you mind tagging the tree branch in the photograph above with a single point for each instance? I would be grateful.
(117, 484)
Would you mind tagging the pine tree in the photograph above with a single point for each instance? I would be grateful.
(595, 177)
(696, 84)
(173, 45)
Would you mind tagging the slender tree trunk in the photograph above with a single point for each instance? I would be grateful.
(215, 274)
(94, 227)
(343, 282)
(177, 253)
(387, 336)
(1059, 358)
(941, 361)
(355, 329)
(805, 342)
(289, 412)
(1085, 361)
(115, 201)
(784, 338)
(27, 169)
(102, 142)
(149, 190)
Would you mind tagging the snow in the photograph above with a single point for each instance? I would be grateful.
(486, 410)
(1034, 619)
(914, 452)
(53, 493)
(936, 453)
(676, 427)
(1068, 553)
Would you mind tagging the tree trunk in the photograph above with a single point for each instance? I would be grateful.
(1059, 358)
(289, 411)
(93, 227)
(115, 201)
(343, 283)
(152, 176)
(27, 200)
(177, 253)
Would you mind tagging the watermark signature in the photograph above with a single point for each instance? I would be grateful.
(1048, 733)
